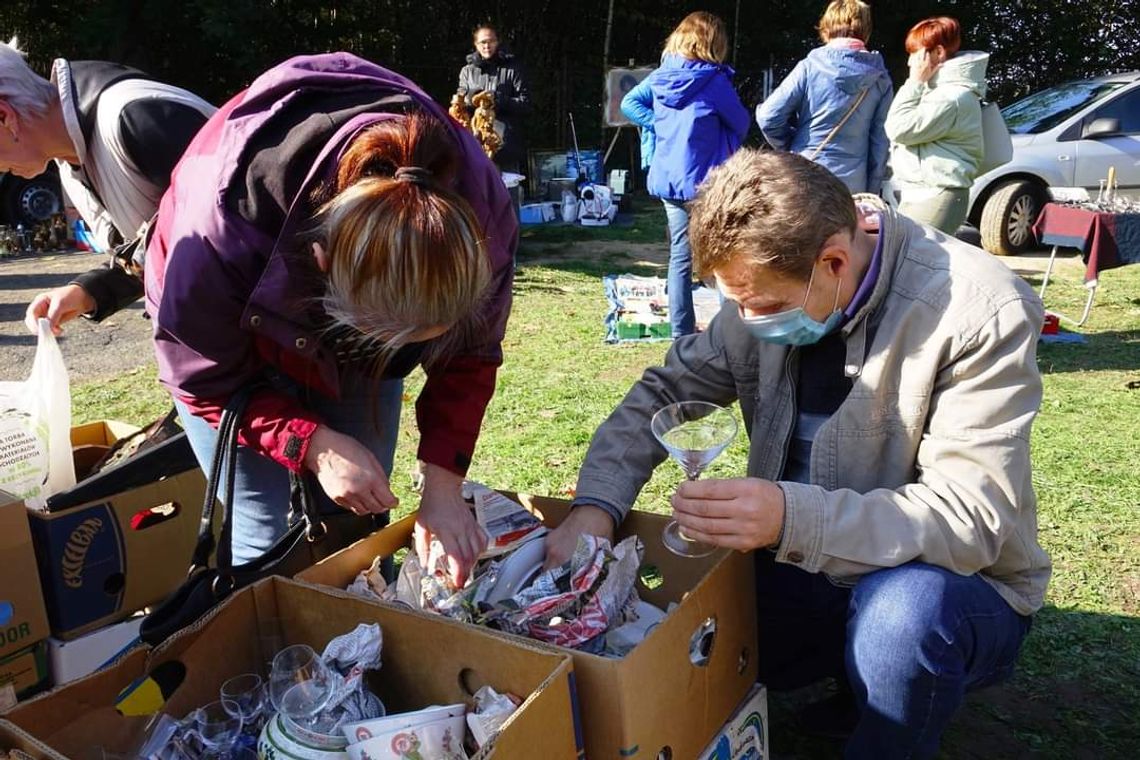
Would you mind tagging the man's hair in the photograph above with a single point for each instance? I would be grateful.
(845, 18)
(775, 209)
(27, 92)
(700, 36)
(406, 251)
(485, 25)
(932, 32)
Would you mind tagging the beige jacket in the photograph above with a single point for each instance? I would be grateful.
(926, 460)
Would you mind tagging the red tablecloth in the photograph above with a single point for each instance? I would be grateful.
(1105, 239)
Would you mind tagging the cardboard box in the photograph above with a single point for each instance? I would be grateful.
(745, 735)
(426, 661)
(101, 560)
(71, 660)
(673, 693)
(24, 673)
(23, 617)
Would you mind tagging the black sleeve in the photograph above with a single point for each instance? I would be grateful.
(518, 102)
(156, 133)
(113, 288)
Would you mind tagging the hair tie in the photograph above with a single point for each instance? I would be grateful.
(417, 175)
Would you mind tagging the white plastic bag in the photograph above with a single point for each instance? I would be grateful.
(35, 427)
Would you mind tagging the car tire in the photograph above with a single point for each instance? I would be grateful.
(31, 201)
(1008, 217)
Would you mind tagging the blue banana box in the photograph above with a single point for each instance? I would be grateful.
(101, 560)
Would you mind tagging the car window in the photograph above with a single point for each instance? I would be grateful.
(1044, 110)
(1126, 108)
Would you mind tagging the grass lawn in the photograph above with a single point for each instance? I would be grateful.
(1077, 690)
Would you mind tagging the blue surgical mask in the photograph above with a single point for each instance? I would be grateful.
(794, 327)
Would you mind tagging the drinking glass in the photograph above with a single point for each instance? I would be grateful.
(300, 683)
(246, 695)
(218, 728)
(694, 433)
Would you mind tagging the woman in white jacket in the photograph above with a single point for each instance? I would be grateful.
(935, 125)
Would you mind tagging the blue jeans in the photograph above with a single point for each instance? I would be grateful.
(682, 318)
(910, 641)
(261, 485)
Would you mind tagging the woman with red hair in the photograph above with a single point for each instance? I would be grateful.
(935, 125)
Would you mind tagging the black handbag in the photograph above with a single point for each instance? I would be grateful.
(308, 539)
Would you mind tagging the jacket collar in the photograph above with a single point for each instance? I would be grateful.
(894, 231)
(80, 84)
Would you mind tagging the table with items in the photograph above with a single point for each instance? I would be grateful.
(1106, 237)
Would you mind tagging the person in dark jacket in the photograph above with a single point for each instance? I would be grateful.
(698, 121)
(832, 106)
(115, 134)
(328, 230)
(492, 69)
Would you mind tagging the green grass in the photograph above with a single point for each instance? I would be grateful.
(1077, 690)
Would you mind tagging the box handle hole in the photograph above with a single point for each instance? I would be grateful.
(742, 661)
(156, 515)
(470, 681)
(666, 753)
(701, 644)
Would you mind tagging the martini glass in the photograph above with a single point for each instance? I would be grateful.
(694, 433)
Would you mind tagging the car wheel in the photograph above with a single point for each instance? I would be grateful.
(31, 201)
(1008, 217)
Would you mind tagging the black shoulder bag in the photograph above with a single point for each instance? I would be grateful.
(309, 539)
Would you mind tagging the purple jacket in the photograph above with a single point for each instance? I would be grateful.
(699, 122)
(232, 295)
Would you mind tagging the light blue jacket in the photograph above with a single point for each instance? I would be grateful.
(815, 96)
(637, 105)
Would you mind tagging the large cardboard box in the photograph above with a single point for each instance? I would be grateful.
(674, 692)
(23, 618)
(425, 661)
(102, 560)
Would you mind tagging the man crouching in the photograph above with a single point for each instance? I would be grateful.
(887, 378)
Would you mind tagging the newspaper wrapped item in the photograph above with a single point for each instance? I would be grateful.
(491, 710)
(351, 655)
(507, 523)
(370, 581)
(575, 603)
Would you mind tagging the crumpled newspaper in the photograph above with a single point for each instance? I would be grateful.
(351, 655)
(575, 603)
(571, 605)
(491, 711)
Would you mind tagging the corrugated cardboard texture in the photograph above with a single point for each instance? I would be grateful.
(23, 617)
(13, 738)
(426, 661)
(655, 698)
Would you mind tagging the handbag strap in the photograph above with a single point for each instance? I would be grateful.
(835, 130)
(225, 455)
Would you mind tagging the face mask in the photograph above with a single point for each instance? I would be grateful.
(794, 327)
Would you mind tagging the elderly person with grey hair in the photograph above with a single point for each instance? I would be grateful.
(115, 134)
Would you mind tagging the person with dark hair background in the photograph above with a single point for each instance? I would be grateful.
(491, 69)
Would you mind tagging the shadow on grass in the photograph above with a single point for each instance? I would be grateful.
(1108, 350)
(1075, 694)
